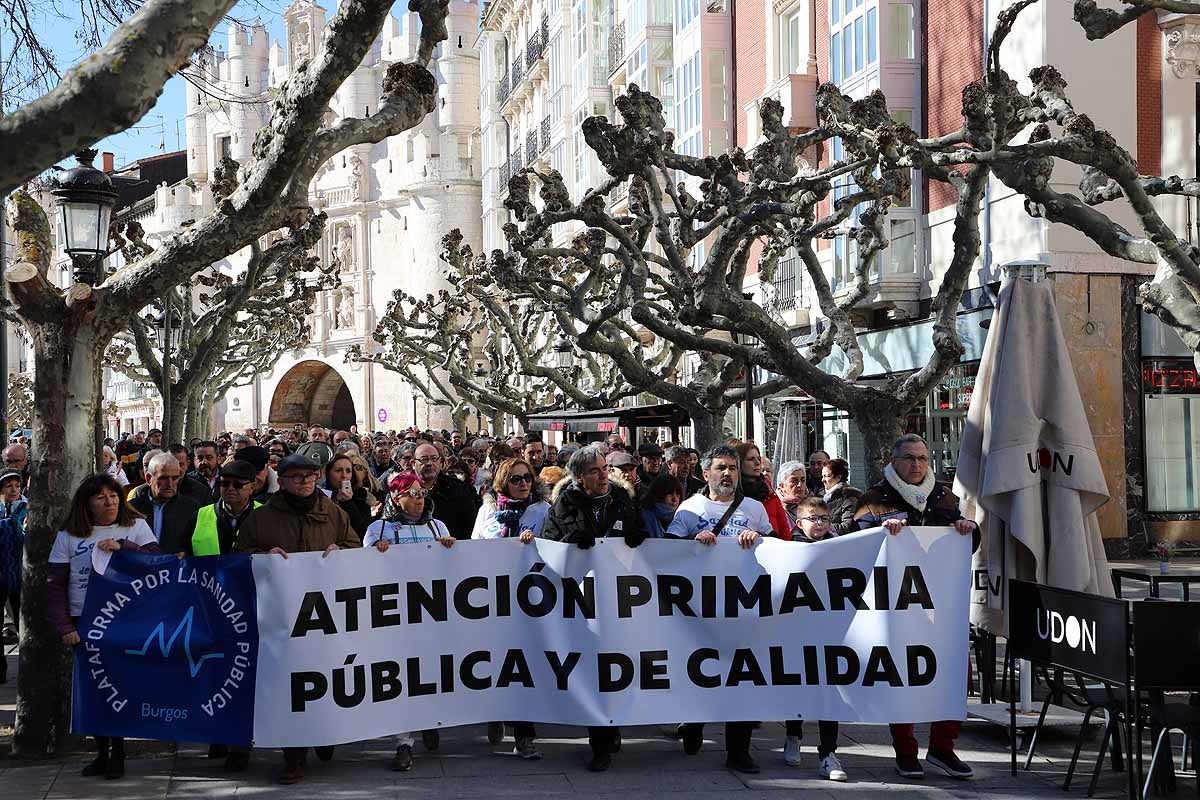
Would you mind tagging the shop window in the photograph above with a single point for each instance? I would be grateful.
(1172, 441)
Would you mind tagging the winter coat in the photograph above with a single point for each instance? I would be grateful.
(534, 517)
(196, 488)
(358, 509)
(277, 524)
(882, 499)
(781, 523)
(178, 519)
(571, 519)
(843, 504)
(455, 503)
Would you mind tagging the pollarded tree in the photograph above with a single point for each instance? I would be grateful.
(71, 330)
(231, 327)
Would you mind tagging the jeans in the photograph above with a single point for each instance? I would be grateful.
(827, 730)
(941, 737)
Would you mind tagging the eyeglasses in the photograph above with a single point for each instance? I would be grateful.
(524, 477)
(233, 485)
(429, 459)
(817, 518)
(305, 477)
(914, 459)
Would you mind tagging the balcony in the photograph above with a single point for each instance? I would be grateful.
(502, 89)
(505, 174)
(535, 56)
(517, 163)
(616, 48)
(546, 133)
(789, 299)
(531, 148)
(521, 88)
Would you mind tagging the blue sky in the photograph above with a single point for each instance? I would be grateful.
(162, 129)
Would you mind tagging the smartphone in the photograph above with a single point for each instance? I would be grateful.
(346, 487)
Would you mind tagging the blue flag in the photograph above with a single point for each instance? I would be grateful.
(168, 649)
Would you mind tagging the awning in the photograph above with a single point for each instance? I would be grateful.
(609, 420)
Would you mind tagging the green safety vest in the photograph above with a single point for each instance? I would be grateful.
(205, 541)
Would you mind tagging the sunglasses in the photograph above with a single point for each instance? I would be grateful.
(414, 492)
(233, 485)
(524, 478)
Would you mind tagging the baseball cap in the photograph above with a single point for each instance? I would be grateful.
(619, 458)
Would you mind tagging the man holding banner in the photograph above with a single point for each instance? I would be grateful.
(590, 508)
(909, 495)
(721, 510)
(297, 519)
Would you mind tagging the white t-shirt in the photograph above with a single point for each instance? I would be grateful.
(78, 553)
(403, 533)
(699, 513)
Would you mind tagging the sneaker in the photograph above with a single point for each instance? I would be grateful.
(949, 763)
(431, 739)
(741, 762)
(693, 739)
(526, 749)
(10, 635)
(909, 767)
(600, 762)
(403, 760)
(831, 768)
(495, 732)
(791, 751)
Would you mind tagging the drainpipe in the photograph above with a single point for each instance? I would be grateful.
(986, 233)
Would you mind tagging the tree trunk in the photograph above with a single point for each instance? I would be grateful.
(496, 419)
(67, 376)
(458, 418)
(880, 427)
(196, 424)
(706, 427)
(173, 430)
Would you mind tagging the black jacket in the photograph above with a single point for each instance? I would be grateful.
(940, 509)
(178, 520)
(456, 505)
(571, 519)
(843, 503)
(358, 509)
(195, 487)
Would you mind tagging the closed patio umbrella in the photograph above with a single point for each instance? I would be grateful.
(789, 435)
(1028, 472)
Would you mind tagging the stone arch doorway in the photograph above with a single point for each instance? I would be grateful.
(312, 393)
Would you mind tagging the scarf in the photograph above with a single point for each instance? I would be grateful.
(664, 514)
(756, 489)
(509, 512)
(301, 505)
(829, 494)
(916, 496)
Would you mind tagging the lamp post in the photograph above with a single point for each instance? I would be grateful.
(747, 339)
(564, 362)
(168, 328)
(480, 372)
(86, 197)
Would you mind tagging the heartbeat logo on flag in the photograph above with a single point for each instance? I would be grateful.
(184, 627)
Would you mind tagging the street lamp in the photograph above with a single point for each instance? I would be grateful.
(86, 197)
(564, 355)
(168, 327)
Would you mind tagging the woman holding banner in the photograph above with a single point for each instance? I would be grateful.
(513, 509)
(99, 518)
(407, 519)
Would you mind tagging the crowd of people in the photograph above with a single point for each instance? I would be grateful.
(295, 491)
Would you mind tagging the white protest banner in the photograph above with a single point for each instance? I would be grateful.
(866, 627)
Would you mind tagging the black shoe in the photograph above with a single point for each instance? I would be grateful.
(403, 760)
(237, 762)
(431, 739)
(218, 750)
(741, 762)
(693, 739)
(616, 741)
(949, 763)
(116, 767)
(96, 768)
(600, 762)
(909, 767)
(495, 732)
(324, 752)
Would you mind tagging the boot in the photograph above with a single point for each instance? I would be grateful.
(99, 764)
(293, 766)
(116, 760)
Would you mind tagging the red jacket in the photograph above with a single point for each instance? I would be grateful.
(780, 520)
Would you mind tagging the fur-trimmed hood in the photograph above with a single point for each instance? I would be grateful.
(566, 481)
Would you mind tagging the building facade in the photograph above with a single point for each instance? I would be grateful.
(1136, 377)
(388, 206)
